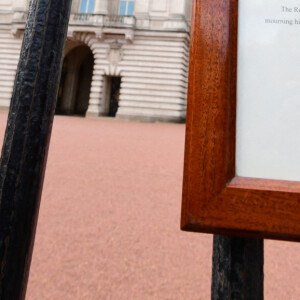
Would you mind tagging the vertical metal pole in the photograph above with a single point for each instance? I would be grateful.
(237, 268)
(26, 141)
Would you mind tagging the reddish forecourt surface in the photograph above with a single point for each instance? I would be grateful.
(110, 214)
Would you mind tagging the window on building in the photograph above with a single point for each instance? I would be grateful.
(126, 8)
(87, 6)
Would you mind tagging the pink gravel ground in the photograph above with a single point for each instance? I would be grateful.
(109, 219)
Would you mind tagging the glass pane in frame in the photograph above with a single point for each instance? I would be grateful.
(268, 93)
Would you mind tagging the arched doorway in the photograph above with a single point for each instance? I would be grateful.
(75, 83)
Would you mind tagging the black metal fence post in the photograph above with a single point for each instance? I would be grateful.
(26, 141)
(237, 268)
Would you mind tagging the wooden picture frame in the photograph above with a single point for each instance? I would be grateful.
(214, 199)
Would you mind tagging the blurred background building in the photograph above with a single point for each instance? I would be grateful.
(127, 59)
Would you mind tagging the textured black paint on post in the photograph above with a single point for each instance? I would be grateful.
(237, 268)
(26, 141)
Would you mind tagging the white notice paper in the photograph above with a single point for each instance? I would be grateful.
(268, 93)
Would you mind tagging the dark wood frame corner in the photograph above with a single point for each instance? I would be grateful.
(214, 199)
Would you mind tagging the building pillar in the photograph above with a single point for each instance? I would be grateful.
(177, 8)
(20, 5)
(75, 6)
(101, 7)
(141, 7)
(96, 102)
(177, 15)
(141, 12)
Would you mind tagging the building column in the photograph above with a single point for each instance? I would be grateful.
(20, 5)
(75, 6)
(141, 12)
(96, 101)
(177, 16)
(141, 7)
(20, 8)
(177, 8)
(101, 7)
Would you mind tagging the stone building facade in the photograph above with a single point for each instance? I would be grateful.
(127, 59)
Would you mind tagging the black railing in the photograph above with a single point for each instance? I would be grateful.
(83, 17)
(104, 20)
(116, 20)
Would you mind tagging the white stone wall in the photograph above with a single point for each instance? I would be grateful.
(5, 4)
(9, 56)
(153, 68)
(154, 77)
(151, 58)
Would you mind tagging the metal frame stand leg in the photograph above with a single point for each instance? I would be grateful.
(26, 142)
(237, 268)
